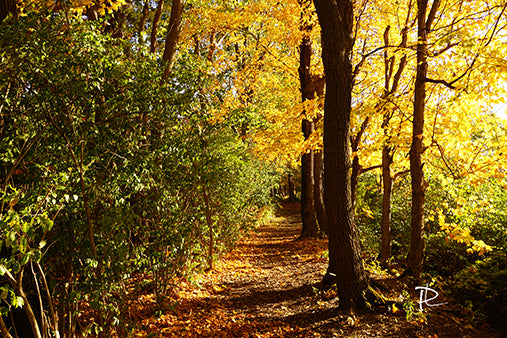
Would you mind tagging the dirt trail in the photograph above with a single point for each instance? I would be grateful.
(269, 287)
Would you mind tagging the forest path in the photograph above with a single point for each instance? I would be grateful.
(268, 287)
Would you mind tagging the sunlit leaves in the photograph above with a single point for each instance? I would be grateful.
(75, 6)
(462, 235)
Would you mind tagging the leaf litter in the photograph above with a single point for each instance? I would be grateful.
(270, 286)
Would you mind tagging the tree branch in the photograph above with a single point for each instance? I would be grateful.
(400, 173)
(363, 170)
(432, 14)
(496, 25)
(3, 329)
(445, 83)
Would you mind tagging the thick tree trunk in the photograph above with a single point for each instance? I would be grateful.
(308, 215)
(416, 251)
(336, 20)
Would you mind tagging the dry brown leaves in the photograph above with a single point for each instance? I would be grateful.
(269, 287)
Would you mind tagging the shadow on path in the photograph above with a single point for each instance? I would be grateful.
(268, 286)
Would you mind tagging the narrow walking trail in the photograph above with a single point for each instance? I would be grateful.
(268, 286)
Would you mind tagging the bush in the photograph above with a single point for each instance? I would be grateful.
(133, 175)
(483, 285)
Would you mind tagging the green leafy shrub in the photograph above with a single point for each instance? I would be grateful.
(369, 211)
(484, 286)
(136, 179)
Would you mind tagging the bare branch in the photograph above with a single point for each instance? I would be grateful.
(445, 83)
(432, 14)
(400, 173)
(363, 170)
(397, 76)
(496, 25)
(444, 159)
(443, 50)
(451, 84)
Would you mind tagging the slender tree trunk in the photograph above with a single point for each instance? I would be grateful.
(3, 329)
(290, 186)
(356, 166)
(308, 215)
(387, 184)
(336, 20)
(154, 26)
(388, 148)
(17, 284)
(142, 21)
(416, 251)
(173, 35)
(318, 190)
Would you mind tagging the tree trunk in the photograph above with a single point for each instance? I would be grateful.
(142, 21)
(7, 7)
(154, 27)
(336, 20)
(356, 166)
(173, 35)
(416, 251)
(387, 184)
(290, 186)
(308, 215)
(388, 148)
(318, 191)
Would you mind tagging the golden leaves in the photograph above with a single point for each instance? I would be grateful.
(78, 7)
(461, 235)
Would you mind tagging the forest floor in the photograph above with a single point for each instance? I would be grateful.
(269, 286)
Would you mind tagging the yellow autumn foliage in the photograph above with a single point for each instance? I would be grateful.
(456, 233)
(75, 6)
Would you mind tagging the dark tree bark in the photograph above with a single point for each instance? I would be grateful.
(319, 84)
(416, 251)
(336, 21)
(308, 214)
(290, 186)
(387, 184)
(7, 7)
(318, 190)
(387, 148)
(154, 26)
(142, 21)
(173, 35)
(356, 166)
